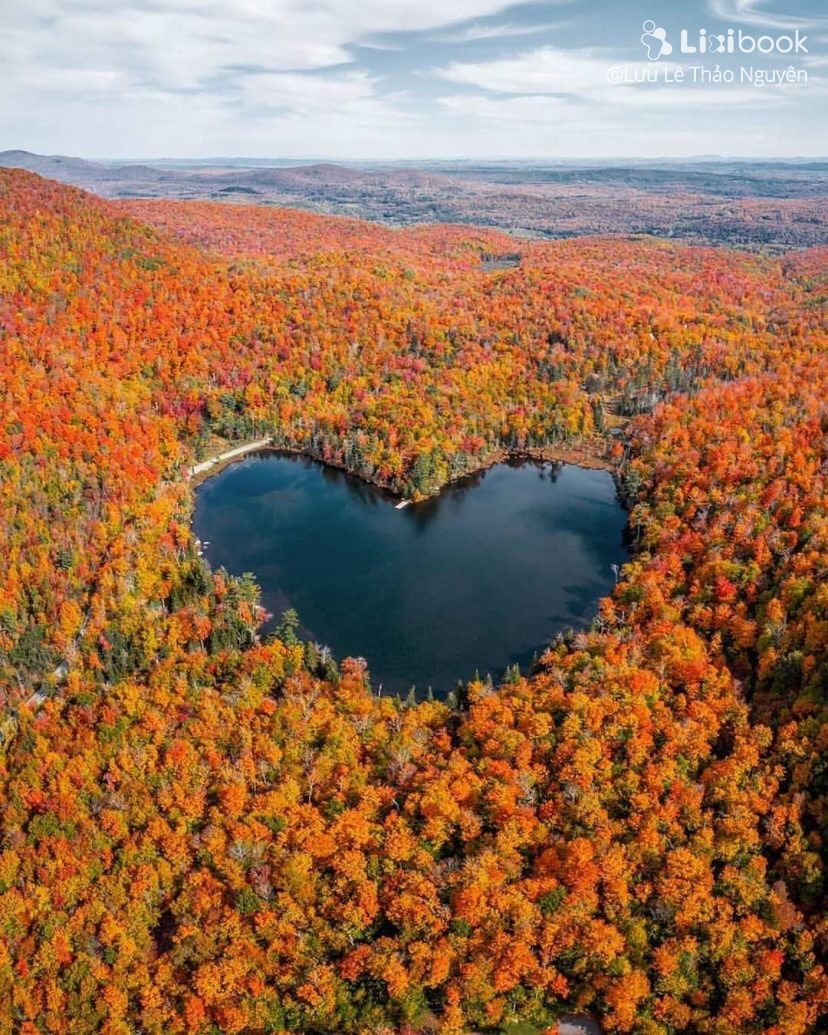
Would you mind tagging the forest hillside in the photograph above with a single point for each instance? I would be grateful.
(205, 830)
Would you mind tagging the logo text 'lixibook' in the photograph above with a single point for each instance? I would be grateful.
(732, 41)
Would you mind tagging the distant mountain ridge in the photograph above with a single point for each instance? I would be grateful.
(68, 169)
(764, 204)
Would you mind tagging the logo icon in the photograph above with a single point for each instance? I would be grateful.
(655, 40)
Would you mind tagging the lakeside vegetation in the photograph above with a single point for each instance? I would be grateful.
(474, 581)
(203, 832)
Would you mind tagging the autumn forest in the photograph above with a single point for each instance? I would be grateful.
(206, 829)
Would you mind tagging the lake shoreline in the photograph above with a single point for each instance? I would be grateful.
(479, 579)
(590, 454)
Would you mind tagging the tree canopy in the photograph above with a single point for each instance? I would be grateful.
(205, 831)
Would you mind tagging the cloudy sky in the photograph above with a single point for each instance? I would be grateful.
(385, 79)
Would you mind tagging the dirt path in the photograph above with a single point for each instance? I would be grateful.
(231, 454)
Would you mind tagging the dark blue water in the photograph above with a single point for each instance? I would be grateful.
(482, 577)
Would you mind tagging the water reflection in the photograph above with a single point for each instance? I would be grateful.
(482, 577)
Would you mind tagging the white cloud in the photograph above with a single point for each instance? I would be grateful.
(752, 12)
(546, 70)
(698, 98)
(72, 63)
(509, 110)
(137, 78)
(544, 125)
(818, 60)
(483, 31)
(183, 43)
(349, 95)
(537, 77)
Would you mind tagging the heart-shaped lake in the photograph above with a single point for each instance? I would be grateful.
(482, 577)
